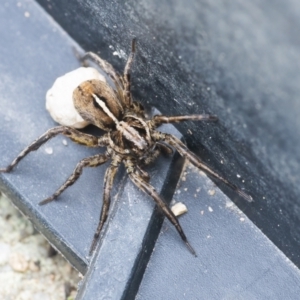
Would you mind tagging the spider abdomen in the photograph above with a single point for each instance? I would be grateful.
(96, 102)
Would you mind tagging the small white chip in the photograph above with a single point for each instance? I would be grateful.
(179, 209)
(59, 98)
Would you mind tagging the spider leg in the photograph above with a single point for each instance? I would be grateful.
(109, 70)
(153, 154)
(73, 134)
(195, 160)
(108, 182)
(126, 75)
(93, 161)
(79, 56)
(159, 119)
(143, 173)
(104, 65)
(149, 189)
(166, 149)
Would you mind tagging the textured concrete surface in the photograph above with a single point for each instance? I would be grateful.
(27, 272)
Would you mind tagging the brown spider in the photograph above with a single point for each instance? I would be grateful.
(131, 139)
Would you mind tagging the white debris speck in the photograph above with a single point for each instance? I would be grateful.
(211, 192)
(18, 262)
(26, 14)
(210, 209)
(238, 175)
(209, 236)
(202, 173)
(242, 219)
(202, 212)
(65, 142)
(120, 54)
(49, 150)
(179, 208)
(59, 98)
(229, 204)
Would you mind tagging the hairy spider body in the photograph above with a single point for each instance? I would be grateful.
(130, 139)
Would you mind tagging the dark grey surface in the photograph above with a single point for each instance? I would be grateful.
(235, 259)
(231, 58)
(239, 60)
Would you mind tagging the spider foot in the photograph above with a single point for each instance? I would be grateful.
(5, 170)
(244, 195)
(94, 243)
(191, 249)
(47, 200)
(212, 118)
(80, 57)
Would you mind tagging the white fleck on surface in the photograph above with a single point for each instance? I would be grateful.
(26, 270)
(238, 175)
(18, 262)
(120, 54)
(65, 142)
(242, 219)
(179, 209)
(210, 209)
(26, 14)
(211, 192)
(49, 150)
(229, 204)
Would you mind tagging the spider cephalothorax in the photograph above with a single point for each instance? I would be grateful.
(130, 138)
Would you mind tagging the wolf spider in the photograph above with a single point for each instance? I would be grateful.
(130, 139)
